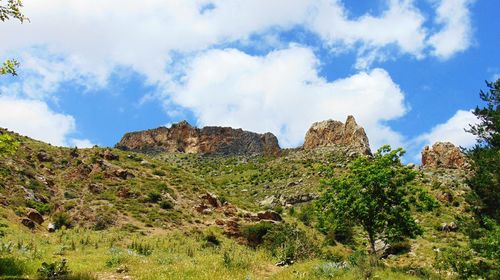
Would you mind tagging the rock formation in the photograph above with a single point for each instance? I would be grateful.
(184, 138)
(332, 133)
(443, 154)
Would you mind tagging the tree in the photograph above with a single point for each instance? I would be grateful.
(485, 154)
(12, 9)
(376, 193)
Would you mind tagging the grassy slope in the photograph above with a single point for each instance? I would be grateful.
(175, 236)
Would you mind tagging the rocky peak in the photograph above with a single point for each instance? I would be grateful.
(335, 133)
(443, 154)
(182, 137)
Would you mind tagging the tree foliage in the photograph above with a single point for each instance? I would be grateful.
(486, 153)
(11, 9)
(376, 194)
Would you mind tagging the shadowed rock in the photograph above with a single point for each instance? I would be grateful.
(183, 138)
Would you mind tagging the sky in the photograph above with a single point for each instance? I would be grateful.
(91, 70)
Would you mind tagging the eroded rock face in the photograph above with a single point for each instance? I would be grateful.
(334, 133)
(184, 138)
(444, 155)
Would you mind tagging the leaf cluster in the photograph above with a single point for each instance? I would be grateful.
(376, 193)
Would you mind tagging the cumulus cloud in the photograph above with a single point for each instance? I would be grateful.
(452, 130)
(283, 93)
(95, 37)
(80, 143)
(400, 25)
(456, 33)
(34, 119)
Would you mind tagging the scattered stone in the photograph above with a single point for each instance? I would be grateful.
(51, 227)
(35, 216)
(122, 269)
(28, 223)
(219, 222)
(300, 198)
(95, 188)
(445, 197)
(269, 215)
(285, 263)
(291, 184)
(445, 155)
(448, 227)
(108, 155)
(268, 201)
(124, 174)
(44, 157)
(212, 200)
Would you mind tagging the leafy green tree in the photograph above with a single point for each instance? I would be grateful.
(376, 194)
(11, 10)
(485, 154)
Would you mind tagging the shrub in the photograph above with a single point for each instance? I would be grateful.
(11, 267)
(141, 248)
(211, 240)
(166, 204)
(42, 208)
(159, 172)
(290, 242)
(53, 271)
(254, 233)
(61, 219)
(154, 197)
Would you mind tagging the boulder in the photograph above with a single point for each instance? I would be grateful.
(269, 215)
(183, 138)
(331, 133)
(123, 174)
(212, 200)
(42, 156)
(28, 223)
(108, 155)
(51, 227)
(448, 227)
(443, 155)
(35, 216)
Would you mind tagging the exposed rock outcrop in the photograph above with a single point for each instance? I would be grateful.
(334, 133)
(184, 138)
(444, 155)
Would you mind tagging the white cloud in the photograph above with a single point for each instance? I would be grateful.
(400, 25)
(93, 37)
(452, 130)
(34, 119)
(80, 143)
(283, 93)
(456, 33)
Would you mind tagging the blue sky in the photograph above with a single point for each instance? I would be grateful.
(409, 71)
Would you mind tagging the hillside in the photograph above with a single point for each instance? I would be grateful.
(119, 214)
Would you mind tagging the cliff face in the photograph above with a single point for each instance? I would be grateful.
(443, 154)
(184, 138)
(334, 133)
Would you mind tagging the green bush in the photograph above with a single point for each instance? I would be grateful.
(254, 233)
(166, 204)
(287, 241)
(61, 219)
(10, 266)
(154, 197)
(53, 271)
(42, 208)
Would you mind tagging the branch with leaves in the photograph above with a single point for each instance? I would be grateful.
(11, 9)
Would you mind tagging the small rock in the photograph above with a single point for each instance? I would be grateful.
(28, 223)
(51, 227)
(212, 199)
(108, 155)
(122, 269)
(269, 215)
(124, 174)
(35, 216)
(448, 227)
(286, 262)
(44, 157)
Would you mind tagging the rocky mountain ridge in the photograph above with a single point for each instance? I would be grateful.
(184, 138)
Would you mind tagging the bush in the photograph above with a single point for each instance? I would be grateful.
(211, 240)
(42, 208)
(290, 242)
(53, 271)
(61, 219)
(154, 197)
(166, 204)
(254, 234)
(141, 248)
(467, 266)
(11, 267)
